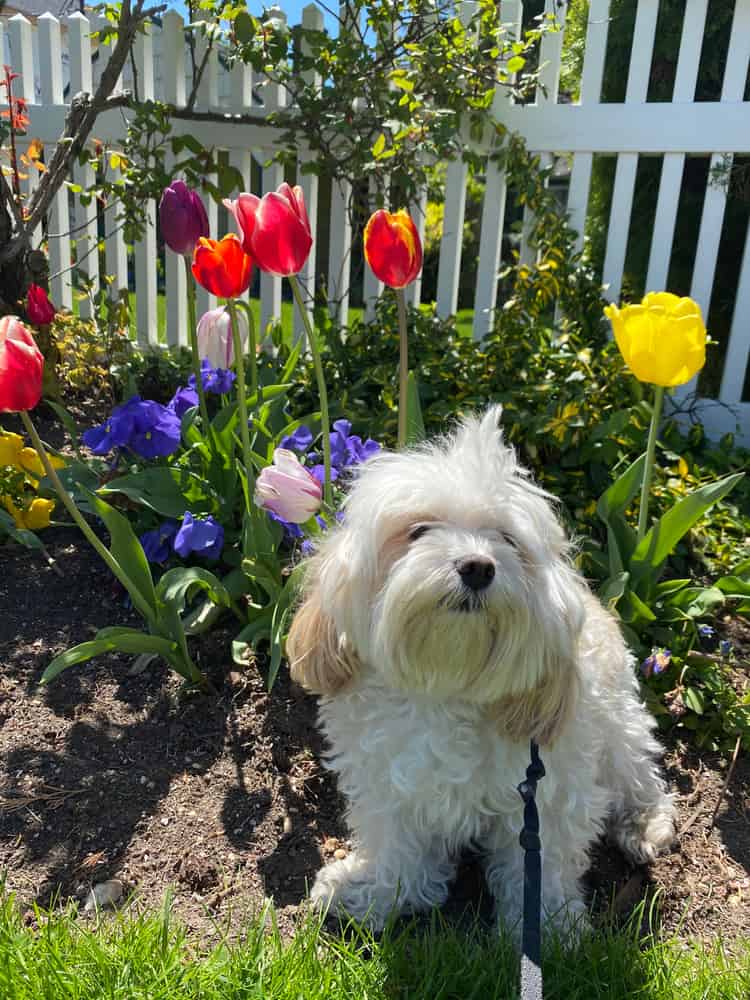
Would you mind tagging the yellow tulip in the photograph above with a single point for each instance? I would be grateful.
(14, 511)
(37, 514)
(663, 340)
(32, 463)
(10, 449)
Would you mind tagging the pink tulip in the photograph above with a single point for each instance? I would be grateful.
(215, 336)
(275, 229)
(287, 489)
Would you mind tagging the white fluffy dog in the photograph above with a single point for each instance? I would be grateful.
(444, 625)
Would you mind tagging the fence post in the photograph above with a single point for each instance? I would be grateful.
(22, 49)
(173, 62)
(85, 217)
(50, 55)
(208, 100)
(146, 257)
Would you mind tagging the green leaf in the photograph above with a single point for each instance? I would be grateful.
(257, 629)
(415, 431)
(21, 535)
(244, 27)
(734, 586)
(67, 421)
(169, 492)
(107, 640)
(694, 700)
(669, 587)
(618, 497)
(660, 540)
(178, 585)
(378, 146)
(126, 548)
(515, 63)
(613, 588)
(208, 612)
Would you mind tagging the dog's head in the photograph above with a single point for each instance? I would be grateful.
(450, 579)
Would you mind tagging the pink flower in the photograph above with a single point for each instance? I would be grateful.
(21, 367)
(215, 336)
(275, 229)
(287, 489)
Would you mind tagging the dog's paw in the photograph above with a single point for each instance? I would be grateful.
(348, 888)
(644, 836)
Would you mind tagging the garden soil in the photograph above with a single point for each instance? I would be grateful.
(223, 801)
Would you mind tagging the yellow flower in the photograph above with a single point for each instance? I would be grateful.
(663, 340)
(32, 463)
(14, 511)
(10, 450)
(37, 514)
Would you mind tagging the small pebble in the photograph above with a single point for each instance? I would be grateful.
(287, 824)
(164, 821)
(105, 894)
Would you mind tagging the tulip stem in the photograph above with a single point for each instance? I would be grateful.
(138, 599)
(650, 453)
(239, 364)
(403, 367)
(325, 425)
(193, 337)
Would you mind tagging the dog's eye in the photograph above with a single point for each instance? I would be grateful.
(417, 531)
(509, 539)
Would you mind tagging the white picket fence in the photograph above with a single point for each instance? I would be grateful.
(636, 127)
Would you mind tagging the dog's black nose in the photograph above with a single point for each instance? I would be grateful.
(476, 572)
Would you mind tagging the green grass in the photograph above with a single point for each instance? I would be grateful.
(136, 957)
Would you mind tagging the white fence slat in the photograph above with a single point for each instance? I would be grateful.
(449, 266)
(418, 212)
(85, 217)
(19, 33)
(372, 288)
(493, 206)
(591, 92)
(146, 257)
(173, 84)
(672, 167)
(735, 72)
(339, 251)
(312, 19)
(207, 99)
(735, 363)
(50, 55)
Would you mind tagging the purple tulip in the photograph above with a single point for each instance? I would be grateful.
(183, 218)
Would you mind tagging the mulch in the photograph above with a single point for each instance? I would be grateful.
(223, 799)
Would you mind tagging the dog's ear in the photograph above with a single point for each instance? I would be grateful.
(320, 659)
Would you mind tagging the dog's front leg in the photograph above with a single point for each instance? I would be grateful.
(392, 870)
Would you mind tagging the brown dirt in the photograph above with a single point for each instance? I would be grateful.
(105, 775)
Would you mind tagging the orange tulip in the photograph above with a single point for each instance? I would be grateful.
(222, 266)
(393, 248)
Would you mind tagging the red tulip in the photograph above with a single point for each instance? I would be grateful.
(21, 367)
(222, 266)
(393, 248)
(39, 309)
(275, 229)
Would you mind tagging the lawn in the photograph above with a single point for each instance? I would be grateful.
(148, 957)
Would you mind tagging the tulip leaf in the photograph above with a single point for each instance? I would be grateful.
(107, 640)
(415, 431)
(178, 585)
(660, 540)
(207, 613)
(167, 491)
(619, 495)
(259, 628)
(126, 549)
(21, 535)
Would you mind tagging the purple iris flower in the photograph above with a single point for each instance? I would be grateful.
(657, 662)
(216, 380)
(291, 530)
(319, 471)
(156, 433)
(202, 535)
(183, 400)
(725, 647)
(346, 449)
(299, 441)
(115, 432)
(157, 543)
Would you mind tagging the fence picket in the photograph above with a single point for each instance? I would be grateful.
(339, 251)
(547, 92)
(673, 164)
(372, 287)
(627, 163)
(312, 20)
(145, 258)
(173, 83)
(21, 45)
(493, 206)
(208, 99)
(418, 212)
(241, 97)
(50, 55)
(85, 216)
(591, 92)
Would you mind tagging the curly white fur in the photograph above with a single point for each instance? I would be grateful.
(431, 690)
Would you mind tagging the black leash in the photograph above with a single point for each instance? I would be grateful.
(531, 945)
